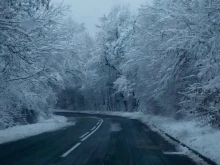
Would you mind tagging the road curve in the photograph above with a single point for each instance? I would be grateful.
(94, 140)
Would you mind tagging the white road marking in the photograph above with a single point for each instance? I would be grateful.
(93, 128)
(174, 153)
(92, 131)
(70, 150)
(84, 135)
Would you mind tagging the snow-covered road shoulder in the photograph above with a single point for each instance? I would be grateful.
(24, 131)
(203, 139)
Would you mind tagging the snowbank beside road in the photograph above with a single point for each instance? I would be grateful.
(24, 131)
(204, 140)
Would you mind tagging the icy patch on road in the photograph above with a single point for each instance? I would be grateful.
(24, 131)
(115, 127)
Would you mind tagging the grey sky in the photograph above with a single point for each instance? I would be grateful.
(89, 11)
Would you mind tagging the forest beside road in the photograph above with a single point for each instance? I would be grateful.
(161, 61)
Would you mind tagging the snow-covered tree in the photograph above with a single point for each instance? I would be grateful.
(115, 30)
(27, 40)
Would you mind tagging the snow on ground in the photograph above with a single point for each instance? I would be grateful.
(24, 131)
(205, 140)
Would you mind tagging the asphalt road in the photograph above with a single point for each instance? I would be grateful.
(94, 140)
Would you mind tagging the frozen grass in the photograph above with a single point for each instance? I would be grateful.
(24, 131)
(205, 140)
